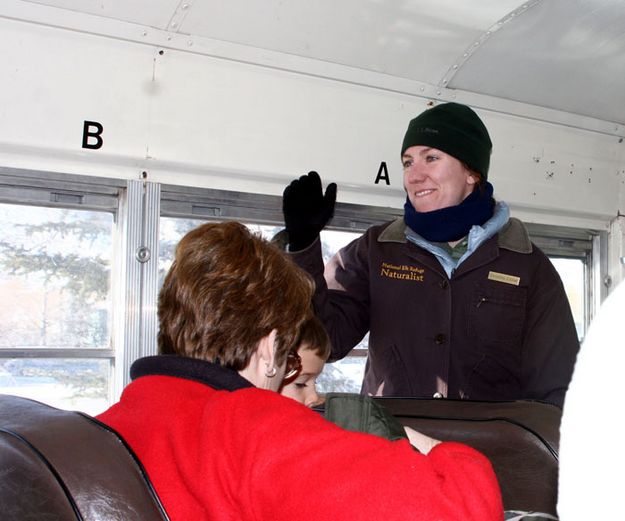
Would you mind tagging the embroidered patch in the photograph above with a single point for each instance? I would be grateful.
(402, 272)
(502, 277)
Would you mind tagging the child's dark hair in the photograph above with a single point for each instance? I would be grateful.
(314, 336)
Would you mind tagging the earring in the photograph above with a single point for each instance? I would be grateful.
(270, 373)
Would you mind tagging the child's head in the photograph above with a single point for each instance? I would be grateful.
(313, 347)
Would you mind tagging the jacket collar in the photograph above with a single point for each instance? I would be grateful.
(513, 235)
(214, 375)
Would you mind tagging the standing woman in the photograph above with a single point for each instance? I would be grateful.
(458, 301)
(219, 444)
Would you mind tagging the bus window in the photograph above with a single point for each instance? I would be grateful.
(572, 273)
(55, 317)
(346, 375)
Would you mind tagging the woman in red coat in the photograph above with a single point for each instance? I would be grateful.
(218, 443)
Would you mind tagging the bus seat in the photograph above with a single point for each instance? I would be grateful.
(63, 465)
(519, 437)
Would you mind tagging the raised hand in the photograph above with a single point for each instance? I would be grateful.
(307, 209)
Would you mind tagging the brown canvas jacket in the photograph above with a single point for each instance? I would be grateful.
(500, 328)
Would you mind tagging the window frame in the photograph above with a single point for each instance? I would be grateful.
(66, 191)
(138, 205)
(589, 246)
(555, 241)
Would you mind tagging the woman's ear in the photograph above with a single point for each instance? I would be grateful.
(267, 348)
(472, 177)
(262, 369)
(273, 374)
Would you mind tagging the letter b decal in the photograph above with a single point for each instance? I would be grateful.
(89, 134)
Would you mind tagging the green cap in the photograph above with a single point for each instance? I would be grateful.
(456, 130)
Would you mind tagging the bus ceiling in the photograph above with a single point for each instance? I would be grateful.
(561, 58)
(242, 95)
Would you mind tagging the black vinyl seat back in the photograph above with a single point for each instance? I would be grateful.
(520, 438)
(63, 465)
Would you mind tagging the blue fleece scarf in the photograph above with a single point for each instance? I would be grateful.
(454, 222)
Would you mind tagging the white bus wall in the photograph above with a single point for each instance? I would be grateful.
(616, 251)
(191, 119)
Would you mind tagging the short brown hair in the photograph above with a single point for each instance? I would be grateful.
(226, 289)
(314, 336)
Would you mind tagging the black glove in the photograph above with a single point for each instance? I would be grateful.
(307, 209)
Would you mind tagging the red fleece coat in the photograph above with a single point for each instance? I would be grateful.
(253, 454)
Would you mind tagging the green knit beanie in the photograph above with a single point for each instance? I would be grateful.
(456, 130)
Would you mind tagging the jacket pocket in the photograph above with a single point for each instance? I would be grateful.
(497, 314)
(496, 320)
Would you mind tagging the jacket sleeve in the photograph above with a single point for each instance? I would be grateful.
(341, 299)
(550, 343)
(293, 464)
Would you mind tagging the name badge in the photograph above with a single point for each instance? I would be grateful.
(502, 277)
